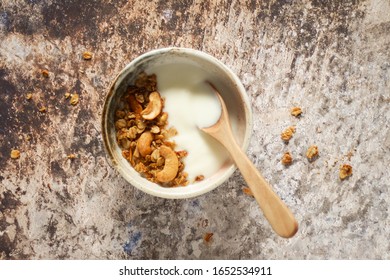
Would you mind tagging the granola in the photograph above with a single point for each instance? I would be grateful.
(74, 99)
(87, 55)
(288, 133)
(296, 111)
(312, 153)
(287, 158)
(345, 171)
(45, 73)
(15, 154)
(143, 135)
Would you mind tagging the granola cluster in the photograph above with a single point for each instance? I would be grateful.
(287, 158)
(345, 171)
(312, 153)
(143, 135)
(288, 133)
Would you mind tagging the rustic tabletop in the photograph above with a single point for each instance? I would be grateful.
(60, 198)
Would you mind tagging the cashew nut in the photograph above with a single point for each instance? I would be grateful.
(153, 109)
(171, 165)
(144, 142)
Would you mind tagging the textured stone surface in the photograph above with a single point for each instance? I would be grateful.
(332, 58)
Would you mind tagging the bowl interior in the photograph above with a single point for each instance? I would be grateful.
(225, 81)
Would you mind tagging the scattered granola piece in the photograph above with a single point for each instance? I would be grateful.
(207, 236)
(312, 152)
(67, 95)
(29, 96)
(199, 178)
(72, 156)
(287, 133)
(287, 158)
(43, 109)
(296, 111)
(45, 73)
(15, 154)
(74, 99)
(345, 171)
(247, 191)
(87, 55)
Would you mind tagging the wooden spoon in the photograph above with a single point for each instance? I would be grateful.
(275, 211)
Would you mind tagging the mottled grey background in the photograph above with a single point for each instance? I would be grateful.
(332, 58)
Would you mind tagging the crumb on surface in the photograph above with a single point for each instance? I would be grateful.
(345, 171)
(208, 236)
(45, 73)
(247, 191)
(15, 154)
(87, 55)
(288, 133)
(74, 99)
(296, 111)
(287, 158)
(312, 152)
(28, 96)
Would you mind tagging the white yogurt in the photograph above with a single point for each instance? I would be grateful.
(192, 104)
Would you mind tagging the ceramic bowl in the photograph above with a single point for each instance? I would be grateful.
(224, 80)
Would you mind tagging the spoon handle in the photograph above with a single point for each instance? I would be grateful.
(276, 212)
